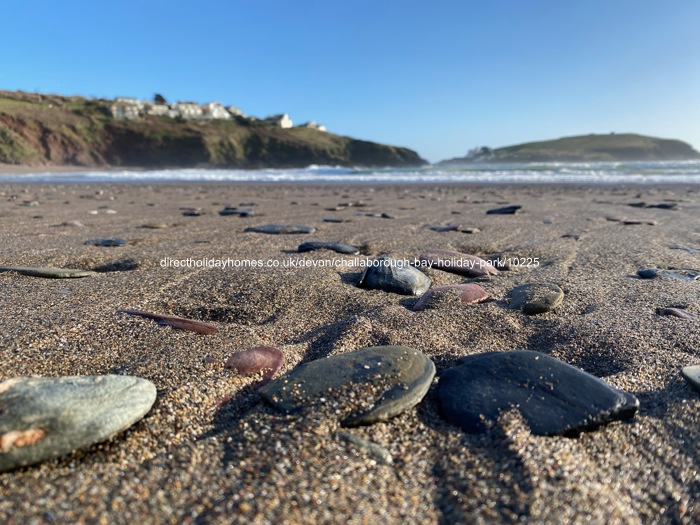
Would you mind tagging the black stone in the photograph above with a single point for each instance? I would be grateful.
(393, 276)
(105, 242)
(553, 397)
(323, 245)
(507, 210)
(648, 273)
(236, 211)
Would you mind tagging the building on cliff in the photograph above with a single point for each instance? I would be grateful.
(215, 110)
(282, 120)
(313, 125)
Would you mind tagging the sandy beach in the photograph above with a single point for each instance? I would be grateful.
(212, 451)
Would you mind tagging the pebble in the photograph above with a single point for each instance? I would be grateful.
(506, 210)
(105, 242)
(45, 418)
(377, 452)
(443, 227)
(192, 212)
(48, 272)
(676, 312)
(536, 298)
(278, 229)
(469, 293)
(267, 359)
(335, 219)
(232, 210)
(72, 224)
(459, 263)
(636, 221)
(179, 323)
(323, 245)
(685, 275)
(685, 249)
(393, 276)
(155, 225)
(553, 397)
(360, 387)
(647, 273)
(692, 375)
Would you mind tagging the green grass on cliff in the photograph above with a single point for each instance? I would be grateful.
(611, 147)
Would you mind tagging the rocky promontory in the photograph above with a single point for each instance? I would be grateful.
(612, 147)
(51, 130)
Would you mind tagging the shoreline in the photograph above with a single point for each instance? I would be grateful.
(212, 450)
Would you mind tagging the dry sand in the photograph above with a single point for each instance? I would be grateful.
(210, 451)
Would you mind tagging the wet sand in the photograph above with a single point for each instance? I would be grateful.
(211, 451)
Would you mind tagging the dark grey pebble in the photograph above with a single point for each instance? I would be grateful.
(685, 249)
(392, 276)
(105, 242)
(536, 298)
(236, 211)
(335, 219)
(323, 245)
(360, 387)
(192, 212)
(48, 272)
(506, 210)
(279, 229)
(675, 312)
(553, 397)
(44, 418)
(647, 273)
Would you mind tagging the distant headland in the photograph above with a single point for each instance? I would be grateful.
(53, 130)
(612, 147)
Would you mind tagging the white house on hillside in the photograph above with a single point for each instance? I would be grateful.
(125, 110)
(236, 112)
(188, 110)
(282, 120)
(215, 110)
(158, 110)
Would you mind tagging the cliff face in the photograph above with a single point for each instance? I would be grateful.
(586, 148)
(45, 130)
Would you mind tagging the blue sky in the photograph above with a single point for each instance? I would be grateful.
(437, 76)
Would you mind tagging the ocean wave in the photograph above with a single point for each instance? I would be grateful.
(676, 172)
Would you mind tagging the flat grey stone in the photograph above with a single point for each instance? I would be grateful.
(334, 246)
(553, 397)
(692, 375)
(43, 418)
(684, 275)
(281, 229)
(360, 387)
(48, 272)
(536, 298)
(393, 276)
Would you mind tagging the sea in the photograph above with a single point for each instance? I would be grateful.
(660, 172)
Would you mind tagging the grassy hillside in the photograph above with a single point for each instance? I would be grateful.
(588, 148)
(53, 130)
